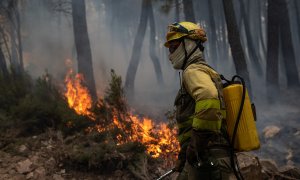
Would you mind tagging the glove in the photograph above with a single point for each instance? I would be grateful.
(179, 165)
(195, 152)
(191, 155)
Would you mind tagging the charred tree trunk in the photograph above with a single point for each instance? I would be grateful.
(235, 43)
(153, 55)
(82, 43)
(136, 50)
(287, 46)
(273, 49)
(252, 53)
(188, 10)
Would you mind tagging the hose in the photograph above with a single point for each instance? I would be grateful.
(237, 172)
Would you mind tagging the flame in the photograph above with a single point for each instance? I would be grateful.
(78, 95)
(159, 140)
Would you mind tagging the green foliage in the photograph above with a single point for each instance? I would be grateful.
(13, 88)
(115, 93)
(34, 106)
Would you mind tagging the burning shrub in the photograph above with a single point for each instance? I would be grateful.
(32, 106)
(127, 140)
(113, 135)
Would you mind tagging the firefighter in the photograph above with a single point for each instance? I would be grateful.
(200, 109)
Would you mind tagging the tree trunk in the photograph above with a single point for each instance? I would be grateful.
(18, 30)
(3, 66)
(213, 41)
(152, 52)
(13, 28)
(188, 10)
(297, 7)
(252, 53)
(272, 51)
(136, 50)
(235, 43)
(261, 30)
(13, 47)
(177, 12)
(287, 46)
(82, 43)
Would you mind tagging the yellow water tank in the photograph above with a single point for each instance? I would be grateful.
(246, 137)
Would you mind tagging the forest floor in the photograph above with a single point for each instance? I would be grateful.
(279, 127)
(52, 156)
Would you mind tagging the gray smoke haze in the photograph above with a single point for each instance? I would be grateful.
(112, 25)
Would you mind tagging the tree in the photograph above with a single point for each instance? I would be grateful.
(136, 50)
(188, 10)
(213, 31)
(297, 8)
(153, 55)
(9, 11)
(146, 13)
(252, 52)
(3, 66)
(235, 43)
(287, 46)
(177, 12)
(279, 32)
(82, 43)
(272, 49)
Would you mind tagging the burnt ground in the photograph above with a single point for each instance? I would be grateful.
(52, 156)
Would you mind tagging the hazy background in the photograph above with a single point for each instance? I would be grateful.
(48, 41)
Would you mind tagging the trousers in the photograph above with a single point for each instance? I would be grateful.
(219, 170)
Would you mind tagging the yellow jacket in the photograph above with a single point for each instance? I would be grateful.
(199, 102)
(205, 87)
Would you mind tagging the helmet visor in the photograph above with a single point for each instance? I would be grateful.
(176, 27)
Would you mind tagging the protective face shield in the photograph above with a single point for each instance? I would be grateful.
(178, 57)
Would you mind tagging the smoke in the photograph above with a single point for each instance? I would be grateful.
(48, 41)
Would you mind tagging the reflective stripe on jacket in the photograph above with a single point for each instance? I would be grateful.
(199, 102)
(201, 83)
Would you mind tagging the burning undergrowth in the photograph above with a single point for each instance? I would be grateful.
(121, 138)
(105, 135)
(112, 115)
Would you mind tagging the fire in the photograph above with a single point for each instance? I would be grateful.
(78, 95)
(159, 140)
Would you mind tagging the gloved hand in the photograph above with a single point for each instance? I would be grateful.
(195, 152)
(191, 155)
(179, 165)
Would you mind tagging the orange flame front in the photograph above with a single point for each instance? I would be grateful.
(78, 95)
(159, 140)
